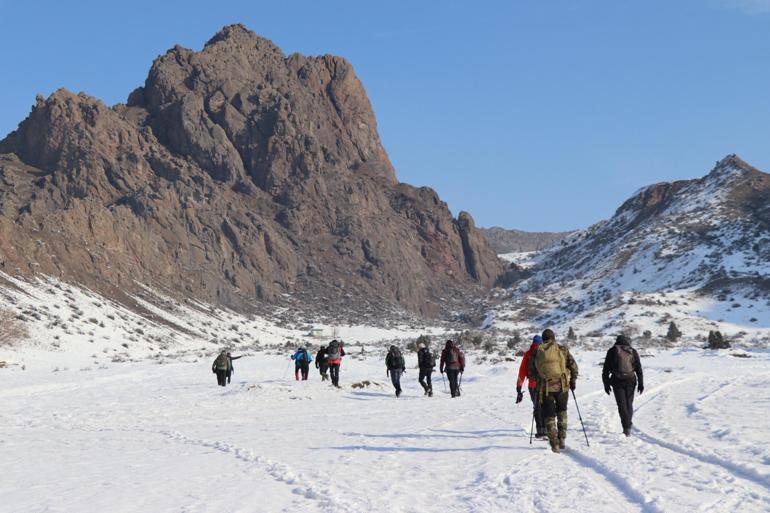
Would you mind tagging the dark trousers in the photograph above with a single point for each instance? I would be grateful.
(301, 368)
(323, 369)
(221, 377)
(624, 396)
(453, 375)
(395, 378)
(334, 372)
(229, 375)
(425, 379)
(537, 411)
(553, 403)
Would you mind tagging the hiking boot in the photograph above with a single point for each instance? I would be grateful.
(430, 392)
(555, 448)
(398, 392)
(627, 431)
(562, 444)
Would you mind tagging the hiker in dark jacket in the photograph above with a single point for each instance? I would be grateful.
(321, 363)
(622, 372)
(557, 374)
(528, 374)
(221, 367)
(426, 363)
(232, 368)
(396, 366)
(453, 361)
(302, 361)
(335, 351)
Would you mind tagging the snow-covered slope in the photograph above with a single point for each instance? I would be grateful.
(142, 437)
(697, 252)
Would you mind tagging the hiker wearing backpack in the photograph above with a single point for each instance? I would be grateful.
(557, 374)
(334, 354)
(396, 366)
(321, 363)
(221, 367)
(302, 361)
(622, 372)
(453, 361)
(231, 371)
(526, 373)
(426, 361)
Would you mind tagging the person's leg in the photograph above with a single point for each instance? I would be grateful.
(549, 414)
(561, 412)
(451, 375)
(305, 371)
(396, 380)
(296, 371)
(421, 379)
(621, 399)
(537, 412)
(630, 404)
(429, 381)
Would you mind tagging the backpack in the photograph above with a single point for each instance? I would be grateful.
(222, 362)
(333, 351)
(452, 357)
(552, 364)
(427, 360)
(302, 355)
(396, 358)
(624, 363)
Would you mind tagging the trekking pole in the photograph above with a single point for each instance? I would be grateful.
(460, 384)
(532, 427)
(444, 380)
(581, 418)
(286, 369)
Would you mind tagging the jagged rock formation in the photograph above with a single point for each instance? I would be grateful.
(234, 175)
(504, 240)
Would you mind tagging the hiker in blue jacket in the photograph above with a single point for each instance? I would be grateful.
(302, 361)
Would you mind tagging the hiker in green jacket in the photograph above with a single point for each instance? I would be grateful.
(221, 367)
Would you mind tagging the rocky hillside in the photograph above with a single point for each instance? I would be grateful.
(693, 249)
(504, 240)
(236, 175)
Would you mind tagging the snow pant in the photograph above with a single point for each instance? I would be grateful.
(221, 377)
(537, 412)
(453, 375)
(425, 380)
(624, 396)
(555, 406)
(334, 373)
(323, 369)
(301, 369)
(229, 375)
(395, 378)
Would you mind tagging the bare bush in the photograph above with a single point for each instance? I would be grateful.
(11, 329)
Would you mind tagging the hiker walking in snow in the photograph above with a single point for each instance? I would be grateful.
(334, 354)
(557, 374)
(231, 371)
(302, 361)
(453, 361)
(396, 366)
(622, 372)
(221, 367)
(529, 374)
(426, 361)
(321, 363)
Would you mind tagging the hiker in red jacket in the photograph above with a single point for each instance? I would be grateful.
(453, 361)
(334, 354)
(527, 372)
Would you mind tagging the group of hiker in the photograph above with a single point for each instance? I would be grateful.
(551, 373)
(548, 368)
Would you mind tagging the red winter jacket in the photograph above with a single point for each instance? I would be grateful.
(523, 368)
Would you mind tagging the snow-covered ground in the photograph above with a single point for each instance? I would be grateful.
(139, 436)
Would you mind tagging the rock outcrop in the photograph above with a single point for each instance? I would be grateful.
(235, 175)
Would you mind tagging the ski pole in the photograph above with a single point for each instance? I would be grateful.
(532, 427)
(286, 369)
(444, 380)
(460, 384)
(581, 418)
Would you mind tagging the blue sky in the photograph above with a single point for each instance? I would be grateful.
(538, 115)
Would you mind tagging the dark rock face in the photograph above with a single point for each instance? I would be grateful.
(234, 174)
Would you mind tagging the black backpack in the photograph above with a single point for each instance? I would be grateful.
(333, 351)
(451, 356)
(624, 363)
(427, 359)
(396, 358)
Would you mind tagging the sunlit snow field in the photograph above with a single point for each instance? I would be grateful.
(164, 438)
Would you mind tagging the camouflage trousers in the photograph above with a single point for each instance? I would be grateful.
(555, 413)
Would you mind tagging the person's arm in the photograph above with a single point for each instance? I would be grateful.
(573, 370)
(461, 358)
(639, 373)
(441, 362)
(522, 371)
(342, 351)
(606, 370)
(294, 356)
(236, 357)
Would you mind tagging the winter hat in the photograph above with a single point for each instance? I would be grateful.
(537, 339)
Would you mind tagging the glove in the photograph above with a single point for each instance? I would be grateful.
(519, 395)
(572, 386)
(462, 370)
(641, 389)
(607, 389)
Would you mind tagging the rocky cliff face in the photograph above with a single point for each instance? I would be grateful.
(504, 240)
(234, 175)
